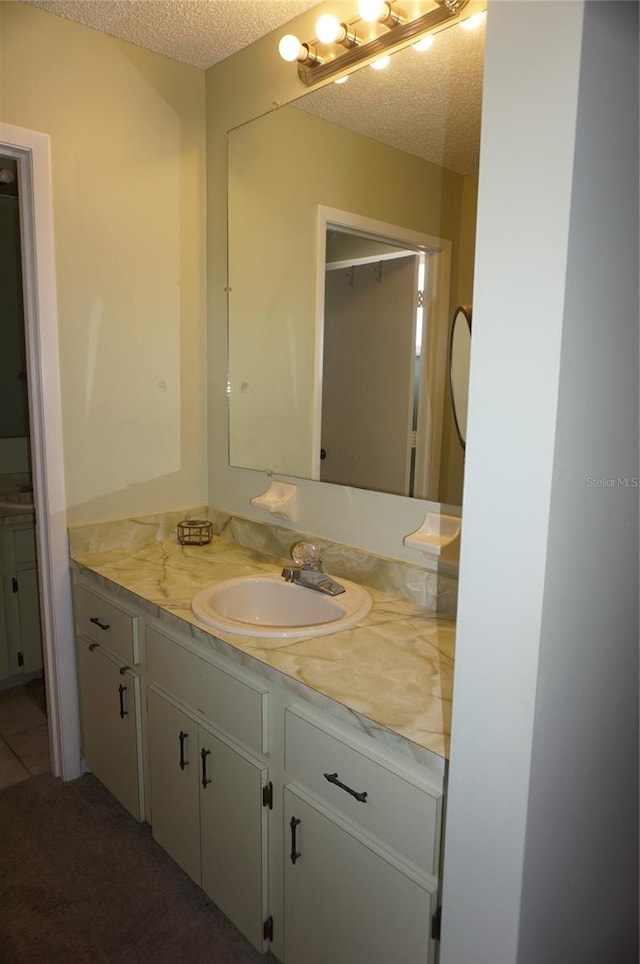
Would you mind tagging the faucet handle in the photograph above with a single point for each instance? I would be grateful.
(306, 555)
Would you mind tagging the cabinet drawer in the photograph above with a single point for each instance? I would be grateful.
(103, 622)
(398, 809)
(235, 706)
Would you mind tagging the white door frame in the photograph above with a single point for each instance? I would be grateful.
(31, 149)
(436, 311)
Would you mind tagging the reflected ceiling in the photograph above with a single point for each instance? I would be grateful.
(430, 107)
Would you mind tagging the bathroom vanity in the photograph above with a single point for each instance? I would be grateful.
(299, 782)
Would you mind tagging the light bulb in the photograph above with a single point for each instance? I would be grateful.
(424, 44)
(290, 48)
(372, 10)
(472, 23)
(380, 63)
(328, 29)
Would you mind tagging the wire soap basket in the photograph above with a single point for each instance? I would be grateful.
(195, 532)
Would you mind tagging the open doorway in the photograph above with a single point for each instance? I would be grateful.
(381, 341)
(24, 740)
(30, 153)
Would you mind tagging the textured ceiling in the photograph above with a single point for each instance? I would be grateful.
(197, 32)
(428, 104)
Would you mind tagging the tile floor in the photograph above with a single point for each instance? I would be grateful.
(24, 737)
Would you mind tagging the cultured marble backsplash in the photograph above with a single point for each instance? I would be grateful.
(435, 591)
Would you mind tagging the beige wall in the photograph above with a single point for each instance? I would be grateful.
(127, 146)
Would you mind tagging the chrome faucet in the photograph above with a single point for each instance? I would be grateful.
(308, 571)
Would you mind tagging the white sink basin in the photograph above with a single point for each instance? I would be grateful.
(269, 606)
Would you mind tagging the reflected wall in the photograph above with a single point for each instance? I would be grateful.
(281, 167)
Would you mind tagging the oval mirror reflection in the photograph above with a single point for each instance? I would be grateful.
(459, 359)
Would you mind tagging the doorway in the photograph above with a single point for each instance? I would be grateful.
(382, 309)
(368, 374)
(24, 743)
(30, 150)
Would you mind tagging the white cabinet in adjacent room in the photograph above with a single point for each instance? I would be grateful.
(20, 634)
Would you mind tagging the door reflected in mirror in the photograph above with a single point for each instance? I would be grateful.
(302, 380)
(378, 323)
(370, 357)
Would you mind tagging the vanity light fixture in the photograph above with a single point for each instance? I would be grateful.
(290, 49)
(329, 30)
(381, 11)
(379, 30)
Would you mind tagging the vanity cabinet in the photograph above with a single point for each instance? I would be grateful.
(110, 696)
(362, 845)
(174, 782)
(20, 635)
(110, 722)
(206, 730)
(207, 811)
(347, 900)
(318, 841)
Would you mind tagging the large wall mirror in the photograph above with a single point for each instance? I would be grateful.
(351, 240)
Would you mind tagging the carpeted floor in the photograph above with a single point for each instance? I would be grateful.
(81, 881)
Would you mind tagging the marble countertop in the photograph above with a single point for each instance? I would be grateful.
(394, 669)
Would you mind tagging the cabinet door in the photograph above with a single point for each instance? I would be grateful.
(233, 834)
(345, 901)
(5, 670)
(173, 774)
(110, 708)
(29, 615)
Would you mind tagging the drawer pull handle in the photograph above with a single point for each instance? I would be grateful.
(96, 622)
(293, 823)
(93, 646)
(205, 779)
(183, 736)
(122, 689)
(360, 795)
